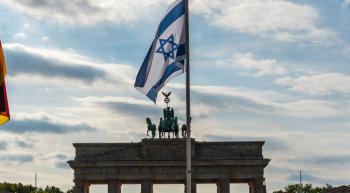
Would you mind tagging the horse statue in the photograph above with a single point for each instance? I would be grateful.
(176, 128)
(183, 131)
(151, 127)
(161, 128)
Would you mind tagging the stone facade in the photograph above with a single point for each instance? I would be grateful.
(162, 161)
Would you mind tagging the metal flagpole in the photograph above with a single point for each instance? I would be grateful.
(301, 184)
(36, 185)
(188, 103)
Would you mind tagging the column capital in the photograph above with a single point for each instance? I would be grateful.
(223, 185)
(193, 186)
(81, 186)
(114, 186)
(146, 186)
(257, 185)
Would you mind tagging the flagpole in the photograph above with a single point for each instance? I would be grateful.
(188, 103)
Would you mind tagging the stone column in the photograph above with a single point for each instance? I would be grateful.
(81, 186)
(257, 186)
(223, 186)
(193, 187)
(114, 187)
(146, 186)
(251, 186)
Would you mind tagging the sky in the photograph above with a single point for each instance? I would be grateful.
(272, 70)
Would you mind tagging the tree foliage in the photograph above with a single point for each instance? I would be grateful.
(306, 188)
(20, 188)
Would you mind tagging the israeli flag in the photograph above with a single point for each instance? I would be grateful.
(166, 56)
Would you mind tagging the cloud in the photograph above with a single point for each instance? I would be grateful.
(62, 156)
(50, 63)
(62, 165)
(24, 144)
(346, 2)
(305, 177)
(45, 39)
(223, 97)
(324, 160)
(277, 19)
(55, 156)
(16, 158)
(233, 98)
(124, 105)
(258, 96)
(229, 99)
(245, 61)
(3, 145)
(58, 159)
(20, 36)
(208, 100)
(44, 125)
(86, 12)
(318, 84)
(312, 109)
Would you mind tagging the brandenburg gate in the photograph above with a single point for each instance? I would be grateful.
(162, 161)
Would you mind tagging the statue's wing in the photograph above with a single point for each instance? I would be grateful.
(166, 94)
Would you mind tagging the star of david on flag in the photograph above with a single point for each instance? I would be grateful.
(165, 58)
(167, 47)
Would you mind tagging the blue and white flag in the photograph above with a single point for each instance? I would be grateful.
(166, 56)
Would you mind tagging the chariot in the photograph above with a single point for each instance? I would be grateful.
(168, 124)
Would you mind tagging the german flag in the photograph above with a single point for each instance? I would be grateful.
(4, 106)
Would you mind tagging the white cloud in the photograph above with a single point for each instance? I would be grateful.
(346, 52)
(22, 59)
(67, 56)
(209, 100)
(264, 102)
(346, 2)
(318, 84)
(311, 109)
(86, 13)
(111, 99)
(45, 39)
(20, 36)
(41, 115)
(262, 97)
(261, 67)
(16, 158)
(277, 19)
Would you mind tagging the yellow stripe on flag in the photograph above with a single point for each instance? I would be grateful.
(4, 119)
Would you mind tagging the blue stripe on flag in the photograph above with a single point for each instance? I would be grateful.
(142, 74)
(181, 50)
(172, 16)
(152, 94)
